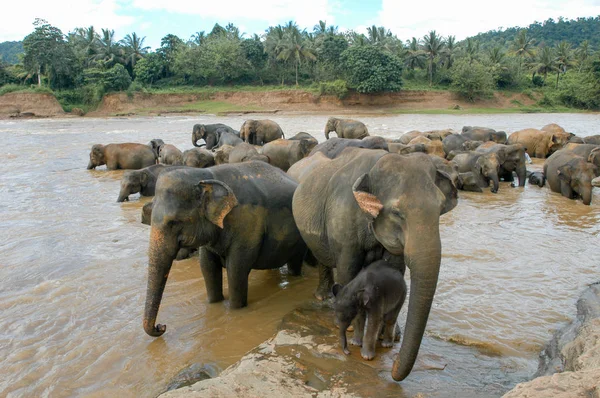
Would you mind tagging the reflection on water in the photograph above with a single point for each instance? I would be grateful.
(73, 265)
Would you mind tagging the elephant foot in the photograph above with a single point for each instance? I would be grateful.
(356, 341)
(322, 295)
(216, 299)
(387, 344)
(367, 354)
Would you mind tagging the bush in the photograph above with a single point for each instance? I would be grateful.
(11, 88)
(579, 90)
(537, 81)
(471, 80)
(369, 69)
(338, 88)
(116, 78)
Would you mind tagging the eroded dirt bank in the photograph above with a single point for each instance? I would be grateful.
(29, 105)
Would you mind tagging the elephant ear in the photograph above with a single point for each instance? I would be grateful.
(450, 193)
(564, 173)
(216, 200)
(144, 178)
(367, 202)
(305, 147)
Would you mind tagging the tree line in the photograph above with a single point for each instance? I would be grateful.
(86, 63)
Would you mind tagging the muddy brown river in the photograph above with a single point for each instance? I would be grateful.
(73, 268)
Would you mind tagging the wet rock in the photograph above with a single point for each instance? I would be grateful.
(193, 374)
(77, 112)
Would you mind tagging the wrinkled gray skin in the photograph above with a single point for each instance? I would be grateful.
(468, 182)
(537, 178)
(570, 175)
(511, 159)
(240, 217)
(462, 181)
(170, 155)
(198, 157)
(346, 128)
(155, 144)
(226, 138)
(259, 132)
(592, 139)
(142, 181)
(304, 136)
(484, 167)
(125, 156)
(222, 154)
(377, 293)
(372, 204)
(475, 133)
(284, 153)
(245, 153)
(576, 140)
(589, 152)
(471, 145)
(334, 146)
(406, 149)
(209, 133)
(453, 142)
(183, 253)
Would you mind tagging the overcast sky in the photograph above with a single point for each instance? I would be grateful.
(155, 18)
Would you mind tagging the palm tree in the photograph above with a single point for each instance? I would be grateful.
(295, 46)
(109, 50)
(564, 58)
(433, 46)
(496, 56)
(415, 57)
(545, 62)
(450, 51)
(198, 38)
(472, 50)
(523, 46)
(87, 41)
(133, 47)
(583, 53)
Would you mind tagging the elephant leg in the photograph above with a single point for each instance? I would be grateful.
(212, 271)
(359, 329)
(372, 328)
(294, 265)
(325, 282)
(566, 190)
(239, 264)
(389, 327)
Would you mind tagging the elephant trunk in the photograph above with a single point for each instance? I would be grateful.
(90, 165)
(195, 139)
(587, 195)
(521, 173)
(161, 255)
(424, 263)
(327, 133)
(343, 339)
(495, 182)
(123, 196)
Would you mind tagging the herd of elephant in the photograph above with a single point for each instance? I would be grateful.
(365, 205)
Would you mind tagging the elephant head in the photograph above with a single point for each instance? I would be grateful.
(155, 144)
(304, 147)
(248, 131)
(594, 157)
(198, 132)
(96, 157)
(403, 197)
(132, 182)
(184, 215)
(147, 213)
(331, 125)
(488, 166)
(557, 141)
(576, 179)
(512, 158)
(471, 145)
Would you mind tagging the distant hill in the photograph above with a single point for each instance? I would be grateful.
(9, 51)
(548, 32)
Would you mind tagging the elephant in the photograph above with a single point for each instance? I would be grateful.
(303, 167)
(284, 153)
(462, 181)
(183, 253)
(589, 152)
(592, 139)
(537, 178)
(576, 140)
(406, 149)
(304, 136)
(142, 181)
(130, 156)
(198, 157)
(471, 145)
(408, 137)
(432, 147)
(259, 132)
(554, 128)
(453, 142)
(378, 293)
(570, 175)
(222, 154)
(346, 128)
(484, 166)
(369, 204)
(170, 155)
(484, 134)
(538, 143)
(210, 133)
(468, 182)
(244, 153)
(334, 146)
(239, 215)
(155, 144)
(510, 157)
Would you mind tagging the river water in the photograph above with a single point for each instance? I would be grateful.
(73, 265)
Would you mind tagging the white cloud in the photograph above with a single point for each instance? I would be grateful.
(464, 18)
(306, 13)
(16, 21)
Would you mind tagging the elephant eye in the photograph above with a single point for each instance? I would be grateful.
(396, 212)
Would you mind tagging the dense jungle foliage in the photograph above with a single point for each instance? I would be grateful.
(555, 60)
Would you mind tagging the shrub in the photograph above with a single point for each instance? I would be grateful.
(369, 69)
(471, 80)
(338, 88)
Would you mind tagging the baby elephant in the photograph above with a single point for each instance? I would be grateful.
(376, 295)
(537, 178)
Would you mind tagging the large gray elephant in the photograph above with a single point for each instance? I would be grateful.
(240, 215)
(538, 143)
(210, 133)
(570, 175)
(463, 181)
(402, 149)
(155, 144)
(475, 133)
(142, 181)
(346, 128)
(259, 132)
(589, 152)
(334, 146)
(370, 205)
(170, 155)
(304, 136)
(129, 155)
(592, 139)
(284, 153)
(484, 166)
(198, 157)
(245, 153)
(511, 159)
(222, 154)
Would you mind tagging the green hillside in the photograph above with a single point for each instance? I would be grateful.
(549, 32)
(9, 51)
